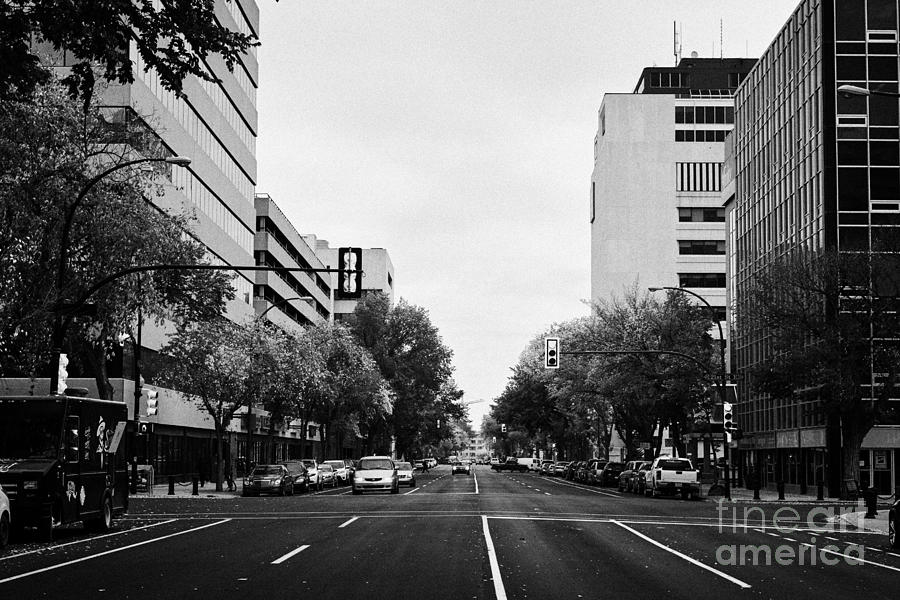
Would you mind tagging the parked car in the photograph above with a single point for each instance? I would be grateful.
(668, 475)
(312, 469)
(269, 479)
(301, 476)
(546, 465)
(341, 471)
(894, 525)
(495, 461)
(560, 467)
(592, 472)
(627, 474)
(405, 474)
(327, 475)
(419, 465)
(609, 474)
(432, 462)
(375, 473)
(639, 478)
(569, 473)
(5, 520)
(460, 467)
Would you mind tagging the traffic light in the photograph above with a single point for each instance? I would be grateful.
(503, 427)
(349, 274)
(61, 379)
(728, 420)
(551, 353)
(152, 403)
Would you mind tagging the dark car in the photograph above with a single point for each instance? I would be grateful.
(894, 525)
(639, 478)
(301, 476)
(609, 474)
(269, 479)
(569, 473)
(626, 477)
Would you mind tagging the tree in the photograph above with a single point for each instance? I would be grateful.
(416, 364)
(830, 324)
(50, 148)
(221, 366)
(174, 38)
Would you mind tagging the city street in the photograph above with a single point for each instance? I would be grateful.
(488, 535)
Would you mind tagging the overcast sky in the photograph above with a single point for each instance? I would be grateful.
(459, 136)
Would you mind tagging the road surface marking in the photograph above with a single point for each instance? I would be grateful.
(892, 554)
(790, 540)
(114, 550)
(759, 530)
(347, 522)
(476, 481)
(832, 539)
(684, 556)
(578, 487)
(90, 539)
(547, 494)
(856, 558)
(499, 590)
(280, 560)
(413, 490)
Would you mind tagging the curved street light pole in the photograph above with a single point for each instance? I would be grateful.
(281, 302)
(723, 375)
(59, 325)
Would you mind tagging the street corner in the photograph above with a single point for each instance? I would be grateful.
(858, 520)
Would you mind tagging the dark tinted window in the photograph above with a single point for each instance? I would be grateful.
(674, 465)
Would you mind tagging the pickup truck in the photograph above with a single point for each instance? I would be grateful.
(669, 475)
(511, 464)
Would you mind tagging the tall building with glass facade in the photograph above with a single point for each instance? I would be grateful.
(818, 171)
(655, 215)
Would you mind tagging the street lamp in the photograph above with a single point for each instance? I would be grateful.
(59, 328)
(723, 374)
(854, 90)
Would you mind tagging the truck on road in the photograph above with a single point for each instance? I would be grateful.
(668, 475)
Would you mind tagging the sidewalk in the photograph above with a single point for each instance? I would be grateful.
(185, 490)
(743, 495)
(857, 519)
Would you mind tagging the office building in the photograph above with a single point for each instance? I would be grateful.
(378, 274)
(817, 171)
(655, 207)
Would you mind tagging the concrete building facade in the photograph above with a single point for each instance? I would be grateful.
(655, 204)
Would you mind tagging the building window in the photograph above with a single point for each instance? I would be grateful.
(698, 177)
(660, 79)
(735, 79)
(701, 280)
(701, 246)
(701, 215)
(710, 115)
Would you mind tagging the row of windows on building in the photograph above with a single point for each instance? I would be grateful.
(701, 247)
(701, 280)
(704, 114)
(228, 110)
(689, 214)
(700, 135)
(267, 225)
(679, 79)
(197, 129)
(698, 177)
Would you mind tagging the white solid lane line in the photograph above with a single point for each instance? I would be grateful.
(347, 522)
(578, 487)
(413, 490)
(90, 539)
(84, 558)
(853, 558)
(499, 590)
(476, 481)
(281, 559)
(733, 580)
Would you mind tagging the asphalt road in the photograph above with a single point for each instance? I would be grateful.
(488, 535)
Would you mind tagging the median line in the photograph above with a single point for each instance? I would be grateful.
(281, 559)
(114, 550)
(693, 561)
(499, 590)
(347, 522)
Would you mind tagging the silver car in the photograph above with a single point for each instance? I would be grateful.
(4, 519)
(376, 473)
(405, 474)
(341, 470)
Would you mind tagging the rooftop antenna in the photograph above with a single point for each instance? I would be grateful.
(676, 42)
(721, 40)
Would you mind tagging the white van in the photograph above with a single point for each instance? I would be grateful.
(530, 462)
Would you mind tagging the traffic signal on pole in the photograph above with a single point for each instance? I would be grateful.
(349, 273)
(551, 353)
(61, 378)
(728, 423)
(503, 427)
(152, 403)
